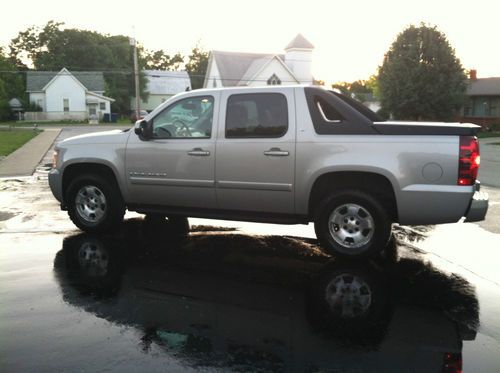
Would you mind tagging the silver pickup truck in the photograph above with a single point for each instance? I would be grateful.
(281, 154)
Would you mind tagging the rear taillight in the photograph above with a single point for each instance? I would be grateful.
(468, 163)
(452, 363)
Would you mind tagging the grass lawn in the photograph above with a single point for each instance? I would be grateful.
(11, 140)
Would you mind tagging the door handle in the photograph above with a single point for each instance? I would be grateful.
(276, 152)
(199, 152)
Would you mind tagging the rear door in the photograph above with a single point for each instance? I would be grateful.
(256, 151)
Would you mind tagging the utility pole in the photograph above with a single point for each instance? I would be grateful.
(136, 76)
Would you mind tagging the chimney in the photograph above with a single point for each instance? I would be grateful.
(473, 74)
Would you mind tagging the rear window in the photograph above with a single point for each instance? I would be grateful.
(374, 117)
(256, 115)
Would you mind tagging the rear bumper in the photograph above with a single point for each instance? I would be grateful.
(478, 206)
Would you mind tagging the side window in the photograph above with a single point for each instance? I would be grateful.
(188, 118)
(256, 115)
(327, 111)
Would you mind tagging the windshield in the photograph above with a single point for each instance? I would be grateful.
(358, 106)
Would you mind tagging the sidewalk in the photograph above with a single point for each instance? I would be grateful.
(24, 160)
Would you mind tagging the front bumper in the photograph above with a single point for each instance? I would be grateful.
(55, 183)
(478, 206)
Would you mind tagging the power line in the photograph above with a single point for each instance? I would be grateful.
(131, 73)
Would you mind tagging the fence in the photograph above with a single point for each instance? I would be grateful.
(33, 116)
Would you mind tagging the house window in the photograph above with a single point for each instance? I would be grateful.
(65, 104)
(273, 80)
(256, 115)
(102, 106)
(92, 110)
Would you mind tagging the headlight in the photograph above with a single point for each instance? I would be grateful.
(55, 158)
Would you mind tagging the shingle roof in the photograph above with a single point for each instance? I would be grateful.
(300, 42)
(233, 66)
(92, 80)
(167, 82)
(484, 87)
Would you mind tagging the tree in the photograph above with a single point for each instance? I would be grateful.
(358, 89)
(160, 60)
(11, 85)
(421, 78)
(197, 66)
(51, 48)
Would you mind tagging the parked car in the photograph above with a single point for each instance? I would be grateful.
(286, 154)
(142, 115)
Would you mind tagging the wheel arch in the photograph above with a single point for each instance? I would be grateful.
(76, 169)
(371, 182)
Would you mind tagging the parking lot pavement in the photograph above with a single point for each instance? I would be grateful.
(489, 171)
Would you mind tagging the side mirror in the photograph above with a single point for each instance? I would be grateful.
(144, 130)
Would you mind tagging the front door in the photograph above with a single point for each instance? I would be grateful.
(176, 167)
(256, 151)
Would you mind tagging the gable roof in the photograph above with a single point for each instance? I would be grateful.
(234, 66)
(258, 65)
(299, 42)
(37, 80)
(484, 87)
(162, 82)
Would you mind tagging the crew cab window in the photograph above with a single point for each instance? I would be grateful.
(188, 118)
(256, 115)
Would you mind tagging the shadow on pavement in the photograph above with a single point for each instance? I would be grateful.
(269, 303)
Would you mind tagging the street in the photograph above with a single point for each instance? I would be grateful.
(239, 296)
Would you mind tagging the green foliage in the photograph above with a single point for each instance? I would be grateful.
(160, 60)
(358, 89)
(51, 48)
(197, 66)
(421, 78)
(11, 85)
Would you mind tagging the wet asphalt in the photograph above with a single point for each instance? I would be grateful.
(240, 297)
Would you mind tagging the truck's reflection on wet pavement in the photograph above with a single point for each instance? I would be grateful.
(268, 303)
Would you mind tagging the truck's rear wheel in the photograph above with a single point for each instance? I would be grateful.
(352, 224)
(94, 204)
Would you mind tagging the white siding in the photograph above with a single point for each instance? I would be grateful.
(299, 61)
(65, 86)
(274, 67)
(213, 74)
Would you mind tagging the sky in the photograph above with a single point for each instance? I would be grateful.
(350, 37)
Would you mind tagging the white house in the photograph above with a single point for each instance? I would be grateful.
(67, 95)
(161, 86)
(256, 69)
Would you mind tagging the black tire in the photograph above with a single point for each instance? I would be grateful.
(364, 227)
(110, 212)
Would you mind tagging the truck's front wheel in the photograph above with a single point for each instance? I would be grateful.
(352, 224)
(94, 205)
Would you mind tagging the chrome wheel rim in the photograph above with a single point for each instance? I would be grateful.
(91, 204)
(351, 226)
(348, 296)
(93, 258)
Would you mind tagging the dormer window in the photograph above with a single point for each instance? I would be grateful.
(273, 80)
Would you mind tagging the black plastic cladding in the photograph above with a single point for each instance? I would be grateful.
(355, 123)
